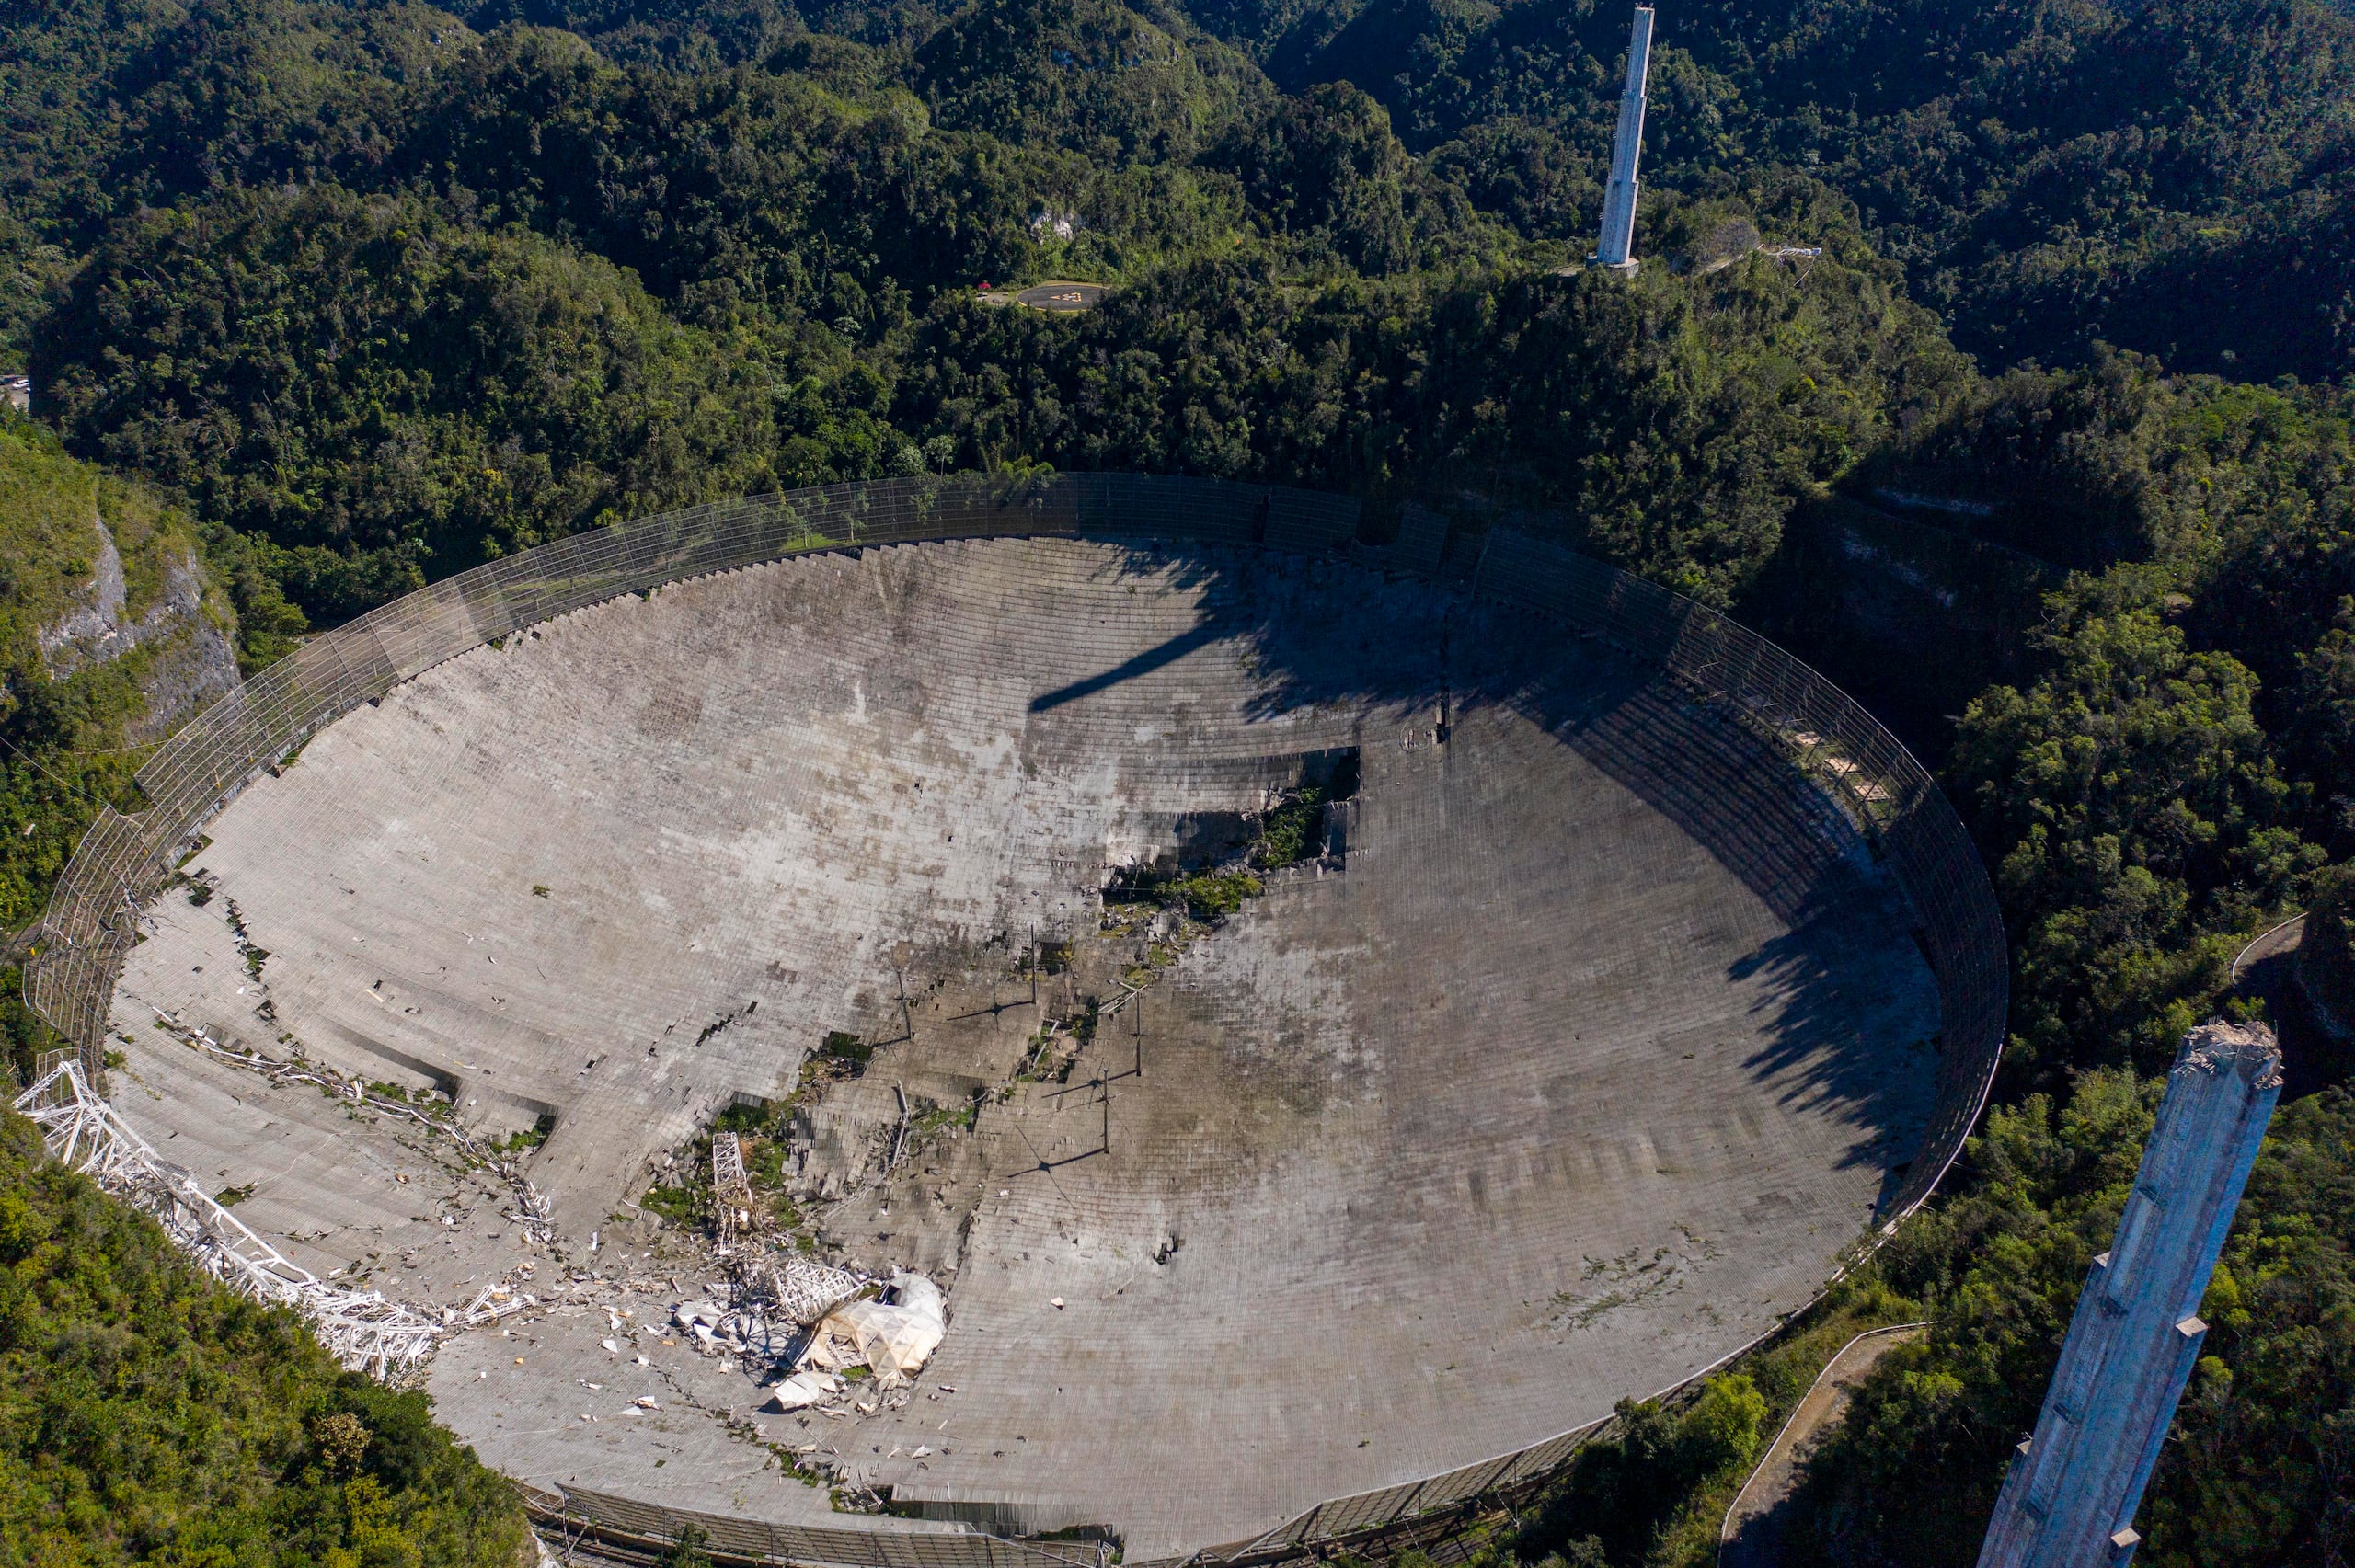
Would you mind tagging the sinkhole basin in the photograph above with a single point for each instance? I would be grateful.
(1587, 1038)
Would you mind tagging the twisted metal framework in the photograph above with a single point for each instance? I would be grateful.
(359, 1328)
(732, 1189)
(798, 1290)
(123, 861)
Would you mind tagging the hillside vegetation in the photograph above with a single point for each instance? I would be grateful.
(111, 631)
(348, 296)
(150, 1415)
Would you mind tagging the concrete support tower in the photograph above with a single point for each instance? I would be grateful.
(1619, 201)
(2070, 1498)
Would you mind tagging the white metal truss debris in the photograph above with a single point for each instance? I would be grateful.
(891, 1338)
(772, 1304)
(732, 1189)
(797, 1289)
(361, 1329)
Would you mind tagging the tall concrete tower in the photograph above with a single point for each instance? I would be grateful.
(2070, 1498)
(1619, 201)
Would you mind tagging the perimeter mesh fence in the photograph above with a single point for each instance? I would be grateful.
(123, 861)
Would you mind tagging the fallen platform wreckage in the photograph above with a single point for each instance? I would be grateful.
(806, 1321)
(362, 1329)
(809, 1323)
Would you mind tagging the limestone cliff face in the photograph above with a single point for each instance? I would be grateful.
(111, 636)
(191, 659)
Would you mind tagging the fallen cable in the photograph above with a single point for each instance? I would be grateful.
(536, 1220)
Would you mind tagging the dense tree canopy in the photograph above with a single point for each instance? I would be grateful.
(2255, 1471)
(2051, 177)
(368, 386)
(2169, 784)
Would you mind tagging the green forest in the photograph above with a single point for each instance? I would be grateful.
(149, 1415)
(333, 298)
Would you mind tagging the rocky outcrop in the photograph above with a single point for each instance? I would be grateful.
(93, 632)
(190, 659)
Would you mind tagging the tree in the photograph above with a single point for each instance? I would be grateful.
(155, 1415)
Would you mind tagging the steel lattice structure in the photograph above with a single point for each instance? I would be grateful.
(799, 1290)
(731, 1190)
(362, 1329)
(359, 1328)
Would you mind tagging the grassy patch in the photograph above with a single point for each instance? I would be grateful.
(841, 1046)
(527, 1137)
(683, 1206)
(1207, 897)
(1296, 829)
(933, 1118)
(763, 1129)
(740, 1118)
(1292, 831)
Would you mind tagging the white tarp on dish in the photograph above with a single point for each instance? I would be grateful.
(700, 1319)
(893, 1340)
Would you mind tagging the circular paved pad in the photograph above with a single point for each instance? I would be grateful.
(1577, 1065)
